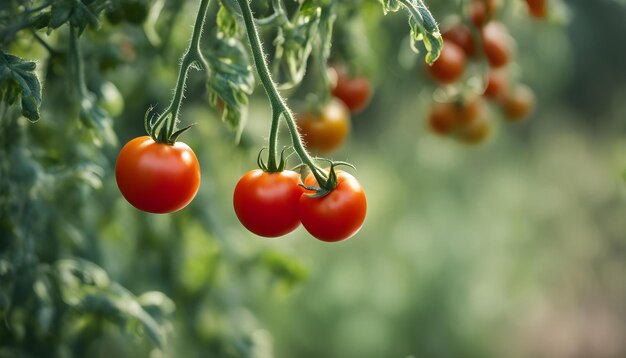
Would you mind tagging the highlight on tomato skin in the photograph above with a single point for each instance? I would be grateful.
(267, 203)
(156, 177)
(336, 216)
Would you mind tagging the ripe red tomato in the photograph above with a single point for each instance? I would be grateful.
(497, 44)
(267, 203)
(442, 119)
(326, 131)
(482, 11)
(355, 92)
(538, 8)
(461, 36)
(338, 215)
(450, 65)
(155, 177)
(497, 82)
(518, 103)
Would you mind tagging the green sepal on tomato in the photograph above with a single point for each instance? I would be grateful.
(157, 177)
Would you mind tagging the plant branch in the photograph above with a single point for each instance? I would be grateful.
(279, 106)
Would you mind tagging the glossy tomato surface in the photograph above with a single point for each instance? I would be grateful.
(325, 131)
(267, 203)
(338, 215)
(155, 177)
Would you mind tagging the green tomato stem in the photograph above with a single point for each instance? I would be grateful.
(192, 56)
(279, 106)
(77, 64)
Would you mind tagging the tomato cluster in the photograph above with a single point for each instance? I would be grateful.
(272, 204)
(468, 119)
(325, 129)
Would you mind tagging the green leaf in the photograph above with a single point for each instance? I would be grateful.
(18, 80)
(230, 78)
(423, 26)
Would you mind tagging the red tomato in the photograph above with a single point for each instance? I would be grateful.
(443, 118)
(497, 82)
(450, 65)
(537, 8)
(155, 177)
(461, 36)
(267, 203)
(326, 131)
(354, 92)
(497, 44)
(518, 103)
(481, 11)
(338, 215)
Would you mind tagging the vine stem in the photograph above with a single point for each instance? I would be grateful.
(279, 106)
(192, 56)
(78, 65)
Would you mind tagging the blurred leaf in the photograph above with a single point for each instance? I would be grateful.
(17, 78)
(230, 79)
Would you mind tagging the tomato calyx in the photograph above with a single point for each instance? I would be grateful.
(155, 127)
(282, 163)
(328, 183)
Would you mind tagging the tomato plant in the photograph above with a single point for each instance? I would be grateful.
(355, 92)
(155, 177)
(267, 203)
(327, 130)
(336, 216)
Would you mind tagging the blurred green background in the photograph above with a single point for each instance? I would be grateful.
(514, 248)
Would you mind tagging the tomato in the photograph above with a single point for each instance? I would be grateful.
(338, 215)
(267, 203)
(355, 92)
(469, 110)
(461, 36)
(475, 132)
(518, 103)
(537, 8)
(482, 11)
(497, 82)
(155, 177)
(326, 131)
(497, 44)
(442, 119)
(450, 65)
